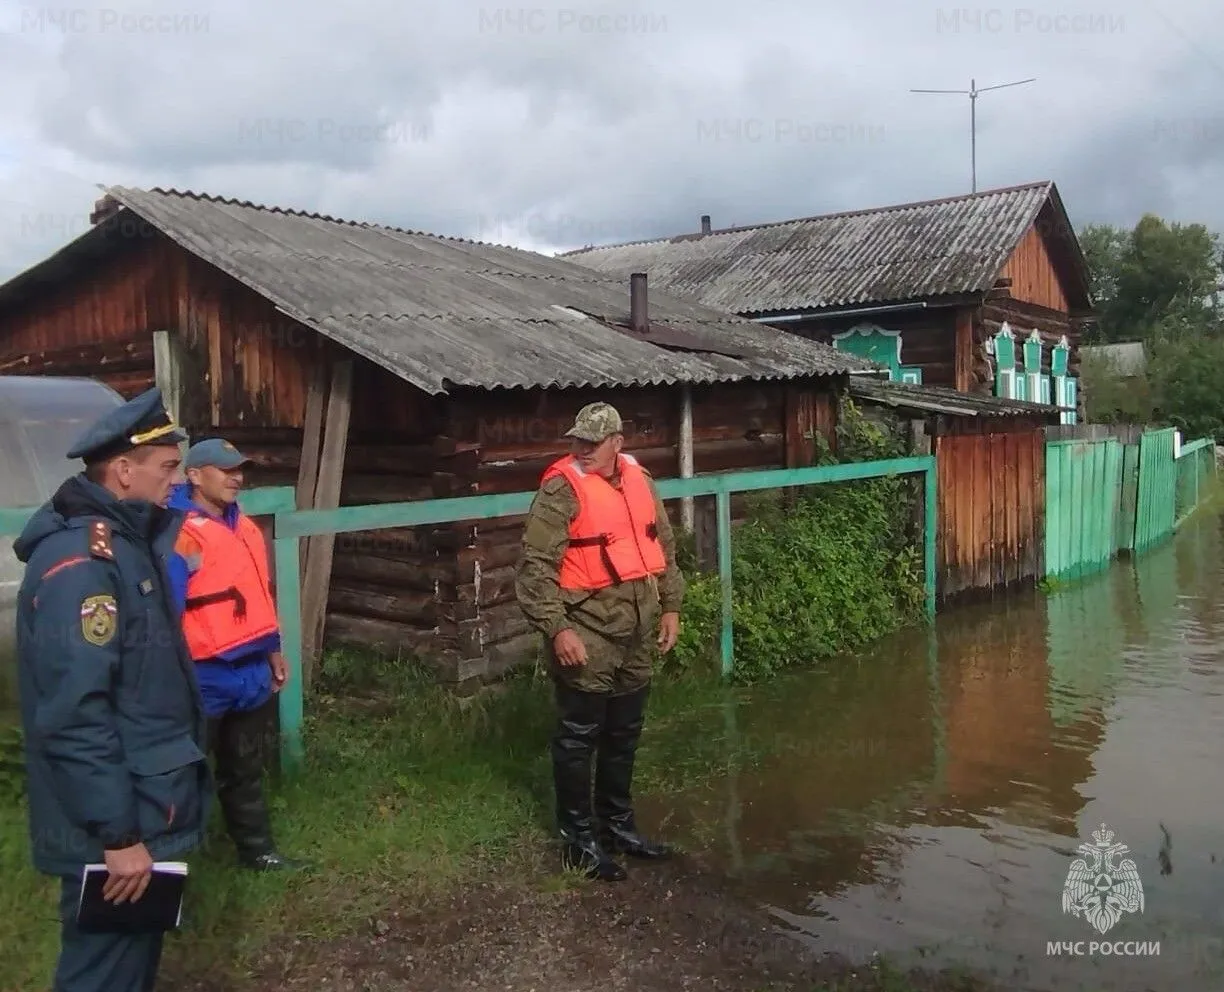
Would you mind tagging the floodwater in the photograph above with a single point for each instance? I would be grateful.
(926, 799)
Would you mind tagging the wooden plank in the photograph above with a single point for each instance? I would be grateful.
(998, 510)
(1129, 497)
(217, 369)
(308, 462)
(982, 511)
(964, 350)
(326, 497)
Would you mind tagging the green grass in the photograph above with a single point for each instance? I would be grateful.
(406, 792)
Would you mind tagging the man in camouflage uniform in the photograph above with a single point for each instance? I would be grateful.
(601, 630)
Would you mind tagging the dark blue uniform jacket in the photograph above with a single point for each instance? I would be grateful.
(114, 725)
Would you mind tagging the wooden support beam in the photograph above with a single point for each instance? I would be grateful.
(965, 348)
(169, 375)
(312, 431)
(326, 497)
(686, 453)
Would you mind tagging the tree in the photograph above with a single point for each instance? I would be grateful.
(1187, 379)
(1103, 245)
(1156, 281)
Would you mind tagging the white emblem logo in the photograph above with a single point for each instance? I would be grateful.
(1100, 890)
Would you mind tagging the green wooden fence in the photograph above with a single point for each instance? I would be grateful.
(291, 524)
(1104, 496)
(1156, 505)
(1196, 472)
(1128, 498)
(1083, 480)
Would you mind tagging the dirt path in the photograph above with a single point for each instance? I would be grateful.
(667, 928)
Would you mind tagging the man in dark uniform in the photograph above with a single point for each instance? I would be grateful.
(114, 728)
(598, 577)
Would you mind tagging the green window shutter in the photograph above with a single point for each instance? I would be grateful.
(873, 343)
(1058, 358)
(1005, 348)
(1032, 352)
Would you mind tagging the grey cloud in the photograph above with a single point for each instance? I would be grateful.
(568, 124)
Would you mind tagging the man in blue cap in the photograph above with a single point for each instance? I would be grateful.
(114, 729)
(221, 578)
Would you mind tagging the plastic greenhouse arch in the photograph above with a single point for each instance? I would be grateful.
(40, 418)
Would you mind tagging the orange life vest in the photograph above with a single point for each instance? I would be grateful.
(229, 598)
(615, 536)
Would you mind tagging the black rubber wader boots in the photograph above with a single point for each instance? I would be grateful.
(573, 747)
(238, 742)
(618, 744)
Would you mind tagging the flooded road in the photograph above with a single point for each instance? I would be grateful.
(926, 800)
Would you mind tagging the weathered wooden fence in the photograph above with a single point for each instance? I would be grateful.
(991, 511)
(1155, 509)
(1083, 480)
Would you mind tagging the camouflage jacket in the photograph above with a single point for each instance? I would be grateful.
(615, 611)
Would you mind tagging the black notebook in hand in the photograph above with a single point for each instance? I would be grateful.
(159, 909)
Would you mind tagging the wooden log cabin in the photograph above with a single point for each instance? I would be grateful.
(365, 364)
(984, 293)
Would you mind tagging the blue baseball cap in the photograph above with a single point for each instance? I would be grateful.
(214, 451)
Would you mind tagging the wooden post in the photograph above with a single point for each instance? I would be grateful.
(920, 444)
(167, 370)
(288, 606)
(963, 355)
(168, 374)
(326, 497)
(686, 453)
(308, 466)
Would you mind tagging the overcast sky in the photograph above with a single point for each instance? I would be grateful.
(554, 127)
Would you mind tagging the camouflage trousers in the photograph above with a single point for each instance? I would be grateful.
(615, 665)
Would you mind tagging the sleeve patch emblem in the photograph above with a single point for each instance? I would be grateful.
(98, 619)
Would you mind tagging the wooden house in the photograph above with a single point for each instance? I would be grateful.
(982, 293)
(366, 364)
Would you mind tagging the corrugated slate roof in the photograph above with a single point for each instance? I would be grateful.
(907, 252)
(937, 399)
(443, 311)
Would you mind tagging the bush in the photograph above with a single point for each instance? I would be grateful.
(815, 573)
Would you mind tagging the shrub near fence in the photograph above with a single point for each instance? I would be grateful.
(815, 572)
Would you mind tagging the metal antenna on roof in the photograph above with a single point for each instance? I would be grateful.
(973, 92)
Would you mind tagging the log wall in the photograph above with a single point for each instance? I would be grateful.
(928, 338)
(1023, 317)
(102, 326)
(517, 434)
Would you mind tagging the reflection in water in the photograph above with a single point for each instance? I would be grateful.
(930, 795)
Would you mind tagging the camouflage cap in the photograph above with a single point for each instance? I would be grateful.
(596, 421)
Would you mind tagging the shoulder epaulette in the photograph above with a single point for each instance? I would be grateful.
(100, 540)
